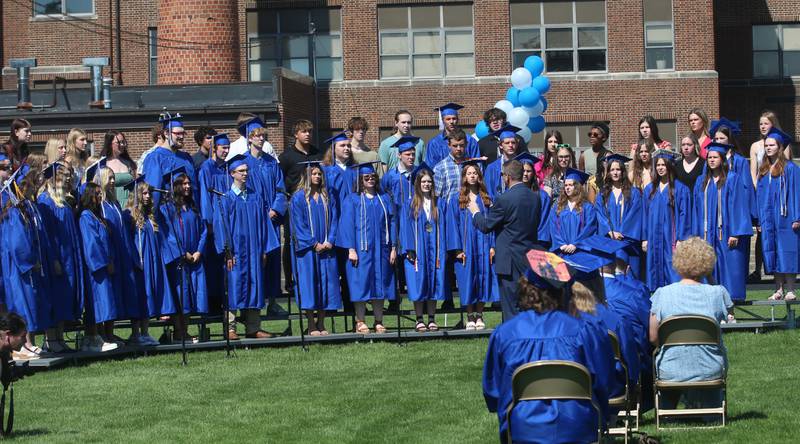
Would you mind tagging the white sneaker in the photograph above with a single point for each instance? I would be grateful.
(96, 344)
(27, 353)
(470, 325)
(731, 319)
(479, 325)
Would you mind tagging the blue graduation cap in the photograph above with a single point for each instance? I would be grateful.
(221, 139)
(365, 168)
(527, 158)
(337, 138)
(420, 168)
(171, 122)
(780, 136)
(717, 124)
(594, 252)
(576, 175)
(92, 170)
(668, 155)
(130, 186)
(51, 169)
(721, 148)
(450, 109)
(406, 143)
(618, 157)
(507, 132)
(235, 162)
(169, 178)
(247, 127)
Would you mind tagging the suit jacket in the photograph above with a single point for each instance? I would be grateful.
(514, 218)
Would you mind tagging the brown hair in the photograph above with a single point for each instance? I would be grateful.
(140, 211)
(463, 194)
(548, 161)
(608, 184)
(416, 201)
(638, 164)
(557, 171)
(531, 297)
(670, 182)
(301, 125)
(778, 166)
(357, 123)
(723, 171)
(702, 115)
(563, 198)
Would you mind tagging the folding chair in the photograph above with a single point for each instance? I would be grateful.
(688, 330)
(621, 404)
(551, 380)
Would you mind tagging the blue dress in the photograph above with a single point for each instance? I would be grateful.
(778, 208)
(155, 294)
(312, 223)
(438, 148)
(426, 238)
(729, 202)
(241, 221)
(98, 252)
(554, 335)
(65, 247)
(664, 226)
(188, 226)
(477, 281)
(123, 282)
(369, 227)
(623, 216)
(26, 287)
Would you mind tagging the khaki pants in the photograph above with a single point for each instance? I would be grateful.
(252, 320)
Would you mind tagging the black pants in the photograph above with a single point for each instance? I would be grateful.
(286, 258)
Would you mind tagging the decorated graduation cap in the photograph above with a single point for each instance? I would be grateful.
(235, 162)
(779, 135)
(507, 132)
(576, 175)
(717, 124)
(51, 169)
(548, 270)
(616, 157)
(420, 168)
(221, 139)
(92, 170)
(450, 109)
(668, 155)
(721, 148)
(169, 121)
(406, 143)
(527, 158)
(247, 127)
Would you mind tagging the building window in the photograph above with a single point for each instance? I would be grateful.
(63, 7)
(569, 35)
(291, 38)
(658, 35)
(426, 41)
(776, 50)
(152, 45)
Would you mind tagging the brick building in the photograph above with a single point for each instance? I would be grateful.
(608, 60)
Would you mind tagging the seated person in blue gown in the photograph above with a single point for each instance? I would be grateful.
(694, 260)
(541, 331)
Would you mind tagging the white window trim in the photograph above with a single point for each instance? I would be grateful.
(671, 25)
(63, 15)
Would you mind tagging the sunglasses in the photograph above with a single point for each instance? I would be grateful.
(594, 134)
(178, 133)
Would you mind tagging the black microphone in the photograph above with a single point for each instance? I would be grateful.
(213, 191)
(159, 190)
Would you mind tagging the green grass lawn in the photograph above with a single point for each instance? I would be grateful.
(361, 393)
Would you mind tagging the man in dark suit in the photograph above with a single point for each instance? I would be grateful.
(514, 218)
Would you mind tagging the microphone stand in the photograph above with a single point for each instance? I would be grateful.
(293, 244)
(227, 255)
(181, 278)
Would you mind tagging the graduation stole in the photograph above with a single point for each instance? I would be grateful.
(310, 216)
(363, 241)
(705, 211)
(36, 222)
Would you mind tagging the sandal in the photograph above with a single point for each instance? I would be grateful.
(362, 328)
(379, 328)
(421, 327)
(432, 326)
(323, 332)
(777, 296)
(790, 296)
(314, 333)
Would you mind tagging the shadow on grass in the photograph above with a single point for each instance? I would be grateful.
(747, 415)
(29, 432)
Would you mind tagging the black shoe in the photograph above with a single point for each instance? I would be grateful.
(754, 278)
(276, 310)
(447, 305)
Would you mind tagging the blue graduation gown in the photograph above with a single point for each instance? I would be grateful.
(627, 344)
(313, 223)
(493, 178)
(778, 207)
(369, 227)
(477, 281)
(663, 227)
(569, 226)
(628, 298)
(427, 280)
(624, 216)
(186, 229)
(398, 186)
(438, 148)
(554, 335)
(730, 271)
(212, 176)
(155, 296)
(340, 182)
(241, 221)
(65, 247)
(98, 252)
(123, 282)
(601, 326)
(162, 161)
(741, 166)
(26, 288)
(266, 179)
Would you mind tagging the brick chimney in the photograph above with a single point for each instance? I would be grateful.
(199, 41)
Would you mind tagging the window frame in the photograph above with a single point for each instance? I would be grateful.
(152, 55)
(574, 28)
(409, 32)
(655, 23)
(780, 51)
(278, 37)
(63, 12)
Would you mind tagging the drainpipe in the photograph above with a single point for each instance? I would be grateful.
(23, 67)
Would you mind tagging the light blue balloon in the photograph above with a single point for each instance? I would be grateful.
(534, 64)
(544, 104)
(536, 124)
(512, 95)
(529, 97)
(481, 130)
(541, 83)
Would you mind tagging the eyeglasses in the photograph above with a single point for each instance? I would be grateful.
(209, 137)
(178, 133)
(370, 177)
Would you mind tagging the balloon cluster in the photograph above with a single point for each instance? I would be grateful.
(525, 102)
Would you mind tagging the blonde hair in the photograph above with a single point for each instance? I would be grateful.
(74, 157)
(102, 178)
(139, 211)
(694, 258)
(582, 300)
(51, 149)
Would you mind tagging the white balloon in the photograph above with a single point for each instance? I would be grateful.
(526, 134)
(521, 78)
(535, 111)
(518, 117)
(505, 105)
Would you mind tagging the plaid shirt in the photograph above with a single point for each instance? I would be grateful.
(447, 175)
